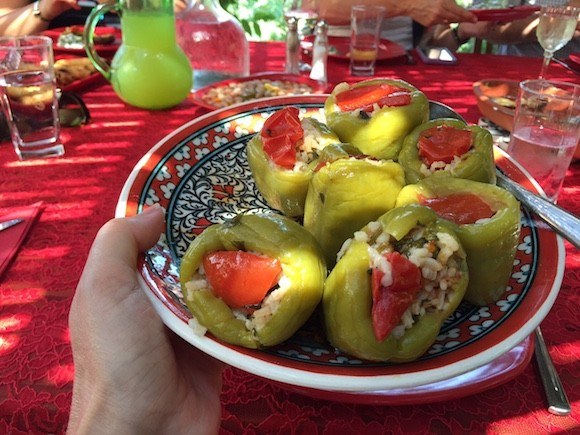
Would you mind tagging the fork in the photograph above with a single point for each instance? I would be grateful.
(558, 403)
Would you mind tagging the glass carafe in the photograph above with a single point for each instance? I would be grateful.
(149, 70)
(214, 41)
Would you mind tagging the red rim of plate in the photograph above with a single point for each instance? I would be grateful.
(387, 48)
(317, 87)
(515, 328)
(504, 15)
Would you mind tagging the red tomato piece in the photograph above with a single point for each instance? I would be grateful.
(365, 97)
(443, 143)
(389, 303)
(461, 208)
(240, 278)
(280, 135)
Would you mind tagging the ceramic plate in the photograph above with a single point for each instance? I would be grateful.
(339, 48)
(199, 175)
(107, 50)
(204, 97)
(505, 15)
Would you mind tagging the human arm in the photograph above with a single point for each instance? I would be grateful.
(132, 375)
(513, 32)
(425, 12)
(17, 16)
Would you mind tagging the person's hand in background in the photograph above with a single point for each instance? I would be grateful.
(133, 375)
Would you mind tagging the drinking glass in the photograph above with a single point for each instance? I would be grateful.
(305, 12)
(555, 29)
(365, 28)
(545, 131)
(28, 94)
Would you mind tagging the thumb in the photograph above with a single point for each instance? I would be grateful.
(113, 256)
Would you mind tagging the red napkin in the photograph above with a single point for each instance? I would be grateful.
(11, 238)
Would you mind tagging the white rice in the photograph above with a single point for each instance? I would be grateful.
(437, 260)
(442, 166)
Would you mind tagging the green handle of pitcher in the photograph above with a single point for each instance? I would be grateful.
(89, 33)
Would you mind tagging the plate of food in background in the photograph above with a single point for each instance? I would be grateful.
(75, 73)
(243, 89)
(70, 39)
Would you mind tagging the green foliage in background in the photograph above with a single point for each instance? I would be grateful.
(261, 19)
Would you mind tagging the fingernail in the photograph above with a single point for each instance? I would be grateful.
(151, 209)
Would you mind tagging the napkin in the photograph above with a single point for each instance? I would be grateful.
(11, 238)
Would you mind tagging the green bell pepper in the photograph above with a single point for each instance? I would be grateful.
(476, 164)
(347, 192)
(379, 133)
(285, 189)
(348, 300)
(490, 243)
(285, 309)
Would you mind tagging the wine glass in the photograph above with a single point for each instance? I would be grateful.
(555, 30)
(305, 12)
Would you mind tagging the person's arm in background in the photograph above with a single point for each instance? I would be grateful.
(17, 16)
(132, 374)
(425, 12)
(515, 32)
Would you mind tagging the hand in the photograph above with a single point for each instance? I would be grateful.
(132, 375)
(430, 12)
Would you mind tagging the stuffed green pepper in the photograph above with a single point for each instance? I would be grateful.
(448, 146)
(376, 115)
(253, 281)
(396, 282)
(279, 157)
(487, 221)
(348, 190)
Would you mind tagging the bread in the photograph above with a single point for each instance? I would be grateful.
(69, 70)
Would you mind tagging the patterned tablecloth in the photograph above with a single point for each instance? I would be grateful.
(79, 192)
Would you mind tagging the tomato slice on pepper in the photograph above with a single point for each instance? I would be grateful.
(461, 208)
(365, 97)
(240, 278)
(390, 302)
(280, 134)
(443, 143)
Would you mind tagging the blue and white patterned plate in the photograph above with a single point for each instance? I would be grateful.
(200, 176)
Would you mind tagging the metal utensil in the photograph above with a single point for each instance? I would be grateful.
(10, 223)
(558, 403)
(561, 221)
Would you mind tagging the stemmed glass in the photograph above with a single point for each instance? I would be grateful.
(555, 30)
(306, 14)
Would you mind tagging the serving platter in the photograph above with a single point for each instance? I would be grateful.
(199, 175)
(202, 95)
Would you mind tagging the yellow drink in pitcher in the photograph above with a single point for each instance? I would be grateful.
(150, 70)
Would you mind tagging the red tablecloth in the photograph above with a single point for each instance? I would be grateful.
(80, 191)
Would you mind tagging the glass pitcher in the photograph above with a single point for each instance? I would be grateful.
(213, 40)
(149, 70)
